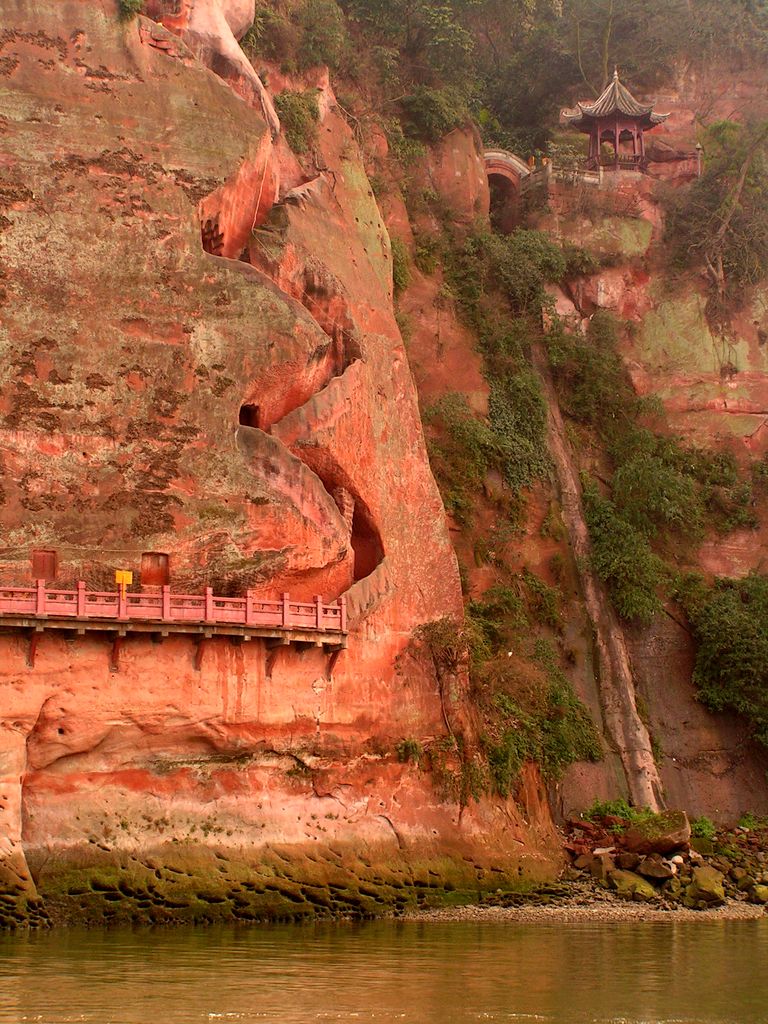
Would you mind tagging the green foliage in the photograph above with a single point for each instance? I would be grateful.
(493, 621)
(428, 39)
(433, 113)
(659, 487)
(323, 34)
(466, 448)
(591, 376)
(720, 222)
(730, 624)
(618, 808)
(753, 821)
(299, 115)
(462, 454)
(404, 149)
(650, 493)
(579, 262)
(128, 9)
(623, 559)
(545, 600)
(552, 49)
(401, 266)
(409, 750)
(518, 415)
(760, 473)
(554, 734)
(703, 828)
(519, 265)
(427, 252)
(446, 643)
(298, 35)
(274, 34)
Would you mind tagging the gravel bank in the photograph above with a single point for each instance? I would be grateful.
(598, 910)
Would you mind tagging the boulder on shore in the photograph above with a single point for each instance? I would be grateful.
(661, 833)
(653, 866)
(631, 886)
(706, 888)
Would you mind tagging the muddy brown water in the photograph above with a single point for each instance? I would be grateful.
(411, 972)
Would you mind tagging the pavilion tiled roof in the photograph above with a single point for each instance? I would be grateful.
(615, 99)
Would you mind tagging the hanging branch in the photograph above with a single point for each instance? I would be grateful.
(607, 42)
(579, 58)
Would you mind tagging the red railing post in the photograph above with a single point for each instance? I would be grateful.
(249, 608)
(343, 614)
(40, 598)
(166, 594)
(208, 604)
(286, 611)
(80, 599)
(319, 611)
(122, 602)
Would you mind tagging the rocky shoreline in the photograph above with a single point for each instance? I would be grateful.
(585, 904)
(641, 868)
(659, 859)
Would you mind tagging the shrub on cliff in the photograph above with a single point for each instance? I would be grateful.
(518, 415)
(466, 448)
(652, 494)
(591, 375)
(548, 725)
(298, 35)
(432, 113)
(401, 266)
(519, 265)
(299, 114)
(461, 454)
(323, 34)
(729, 621)
(128, 9)
(622, 558)
(659, 484)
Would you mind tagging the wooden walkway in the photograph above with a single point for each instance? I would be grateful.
(162, 613)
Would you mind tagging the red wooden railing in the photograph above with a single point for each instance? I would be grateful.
(163, 606)
(626, 162)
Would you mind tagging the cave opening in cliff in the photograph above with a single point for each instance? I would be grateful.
(250, 415)
(505, 203)
(366, 543)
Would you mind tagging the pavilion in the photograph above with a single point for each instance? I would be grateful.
(615, 118)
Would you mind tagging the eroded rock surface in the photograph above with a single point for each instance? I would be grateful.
(254, 417)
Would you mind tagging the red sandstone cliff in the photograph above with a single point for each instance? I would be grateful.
(200, 358)
(637, 682)
(252, 784)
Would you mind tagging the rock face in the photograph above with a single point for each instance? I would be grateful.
(713, 388)
(256, 419)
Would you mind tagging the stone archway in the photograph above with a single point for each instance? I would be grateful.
(506, 173)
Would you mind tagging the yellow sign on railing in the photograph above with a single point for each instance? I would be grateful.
(123, 577)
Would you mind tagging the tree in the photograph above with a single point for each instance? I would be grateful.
(722, 219)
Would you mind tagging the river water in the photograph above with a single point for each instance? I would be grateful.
(417, 973)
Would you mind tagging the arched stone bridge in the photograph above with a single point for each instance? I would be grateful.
(503, 164)
(508, 177)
